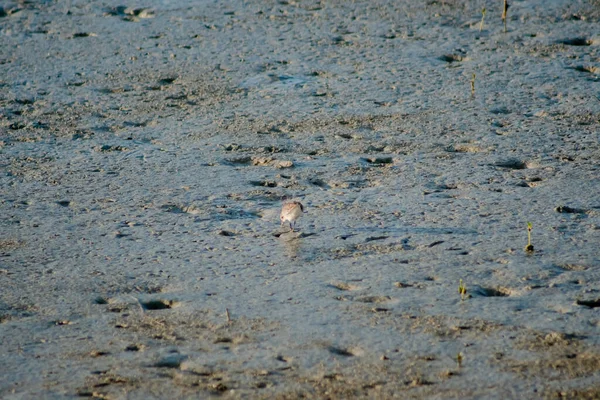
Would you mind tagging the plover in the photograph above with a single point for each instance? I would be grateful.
(290, 212)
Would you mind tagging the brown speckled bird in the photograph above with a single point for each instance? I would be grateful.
(290, 212)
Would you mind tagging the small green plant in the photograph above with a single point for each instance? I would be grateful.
(482, 18)
(473, 85)
(462, 290)
(459, 359)
(505, 14)
(529, 247)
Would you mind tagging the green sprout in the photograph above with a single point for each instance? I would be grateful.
(473, 85)
(482, 18)
(462, 290)
(529, 247)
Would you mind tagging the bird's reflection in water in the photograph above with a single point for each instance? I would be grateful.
(292, 248)
(295, 247)
(291, 242)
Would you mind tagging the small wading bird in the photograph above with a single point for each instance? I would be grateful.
(290, 212)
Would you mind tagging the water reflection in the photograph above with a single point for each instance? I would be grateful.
(291, 242)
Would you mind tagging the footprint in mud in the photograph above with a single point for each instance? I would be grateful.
(159, 304)
(512, 163)
(319, 182)
(594, 303)
(572, 267)
(451, 58)
(135, 347)
(259, 161)
(344, 286)
(167, 80)
(124, 303)
(257, 195)
(83, 34)
(264, 183)
(292, 235)
(345, 352)
(586, 68)
(364, 299)
(532, 181)
(403, 285)
(373, 299)
(577, 41)
(466, 148)
(569, 210)
(99, 353)
(180, 209)
(110, 148)
(232, 147)
(129, 13)
(373, 238)
(242, 160)
(378, 161)
(492, 292)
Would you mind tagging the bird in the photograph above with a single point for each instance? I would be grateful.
(290, 212)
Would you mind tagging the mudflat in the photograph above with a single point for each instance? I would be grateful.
(146, 148)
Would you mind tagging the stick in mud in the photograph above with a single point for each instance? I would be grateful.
(504, 14)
